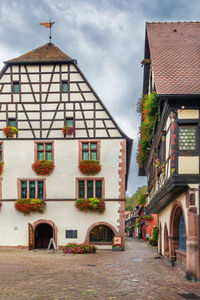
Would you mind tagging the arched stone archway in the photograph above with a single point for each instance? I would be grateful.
(87, 238)
(177, 214)
(47, 225)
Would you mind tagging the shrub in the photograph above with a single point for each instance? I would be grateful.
(152, 242)
(74, 248)
(43, 167)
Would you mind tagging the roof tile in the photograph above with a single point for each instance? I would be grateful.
(175, 56)
(46, 53)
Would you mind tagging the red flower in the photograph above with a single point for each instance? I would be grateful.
(43, 167)
(89, 167)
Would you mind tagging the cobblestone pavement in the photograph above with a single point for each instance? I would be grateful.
(127, 275)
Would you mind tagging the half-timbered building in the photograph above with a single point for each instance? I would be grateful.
(172, 162)
(40, 93)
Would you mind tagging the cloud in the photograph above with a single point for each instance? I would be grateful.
(107, 39)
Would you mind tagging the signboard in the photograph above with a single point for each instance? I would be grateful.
(117, 240)
(53, 244)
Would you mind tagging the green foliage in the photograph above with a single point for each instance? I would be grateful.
(149, 108)
(131, 202)
(155, 233)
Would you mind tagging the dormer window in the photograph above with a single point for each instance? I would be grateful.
(64, 86)
(16, 87)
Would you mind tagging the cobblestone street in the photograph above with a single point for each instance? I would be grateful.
(132, 274)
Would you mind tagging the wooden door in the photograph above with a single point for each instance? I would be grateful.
(31, 237)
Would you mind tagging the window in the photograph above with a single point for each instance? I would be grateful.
(69, 122)
(182, 232)
(34, 189)
(44, 151)
(64, 86)
(12, 122)
(90, 188)
(16, 87)
(101, 234)
(89, 151)
(71, 234)
(187, 136)
(1, 152)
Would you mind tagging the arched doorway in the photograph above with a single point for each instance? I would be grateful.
(43, 234)
(40, 232)
(178, 233)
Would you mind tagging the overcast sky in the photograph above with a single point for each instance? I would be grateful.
(107, 39)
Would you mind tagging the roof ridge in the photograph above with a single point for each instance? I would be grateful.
(46, 53)
(174, 22)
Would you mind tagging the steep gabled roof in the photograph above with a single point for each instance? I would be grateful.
(175, 56)
(46, 53)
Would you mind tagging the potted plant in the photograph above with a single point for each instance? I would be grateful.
(10, 131)
(117, 247)
(43, 167)
(69, 130)
(91, 204)
(89, 167)
(27, 206)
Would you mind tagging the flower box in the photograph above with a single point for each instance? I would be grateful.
(117, 247)
(27, 206)
(69, 130)
(91, 204)
(73, 248)
(43, 167)
(89, 167)
(10, 131)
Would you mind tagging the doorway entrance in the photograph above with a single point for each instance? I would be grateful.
(43, 234)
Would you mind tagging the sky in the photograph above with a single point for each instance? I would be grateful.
(106, 37)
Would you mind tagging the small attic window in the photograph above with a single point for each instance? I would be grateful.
(16, 87)
(64, 86)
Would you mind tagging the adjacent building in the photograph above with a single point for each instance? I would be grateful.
(171, 161)
(41, 92)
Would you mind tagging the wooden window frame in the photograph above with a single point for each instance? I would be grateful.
(13, 83)
(2, 151)
(11, 119)
(98, 142)
(36, 149)
(85, 179)
(19, 180)
(188, 152)
(61, 86)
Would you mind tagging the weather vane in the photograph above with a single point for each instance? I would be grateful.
(48, 25)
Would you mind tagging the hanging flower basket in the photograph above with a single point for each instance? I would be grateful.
(1, 167)
(43, 167)
(89, 167)
(10, 131)
(27, 206)
(69, 130)
(91, 204)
